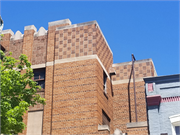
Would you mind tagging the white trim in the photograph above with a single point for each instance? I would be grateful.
(70, 60)
(49, 63)
(8, 31)
(18, 35)
(41, 32)
(75, 59)
(59, 22)
(83, 58)
(175, 121)
(126, 81)
(103, 127)
(30, 27)
(38, 66)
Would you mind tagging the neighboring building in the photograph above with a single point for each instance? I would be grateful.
(85, 92)
(163, 100)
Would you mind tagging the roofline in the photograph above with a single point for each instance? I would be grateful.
(84, 24)
(162, 78)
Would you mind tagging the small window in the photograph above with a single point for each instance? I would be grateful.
(105, 119)
(3, 49)
(105, 81)
(177, 129)
(39, 77)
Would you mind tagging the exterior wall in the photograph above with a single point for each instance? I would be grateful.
(168, 88)
(75, 42)
(74, 89)
(123, 100)
(103, 51)
(39, 50)
(76, 57)
(47, 119)
(6, 39)
(16, 47)
(77, 100)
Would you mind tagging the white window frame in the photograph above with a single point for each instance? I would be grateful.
(175, 121)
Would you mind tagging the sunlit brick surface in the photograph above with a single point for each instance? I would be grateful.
(74, 88)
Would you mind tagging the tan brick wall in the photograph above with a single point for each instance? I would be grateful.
(143, 69)
(51, 41)
(121, 102)
(16, 47)
(6, 41)
(78, 98)
(75, 42)
(82, 41)
(39, 50)
(38, 106)
(74, 90)
(28, 43)
(47, 117)
(138, 131)
(103, 51)
(48, 96)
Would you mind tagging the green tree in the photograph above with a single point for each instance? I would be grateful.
(18, 92)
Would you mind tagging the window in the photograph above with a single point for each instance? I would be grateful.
(175, 124)
(104, 84)
(39, 77)
(3, 49)
(105, 119)
(177, 129)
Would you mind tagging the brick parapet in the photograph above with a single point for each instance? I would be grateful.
(39, 50)
(142, 68)
(5, 42)
(28, 43)
(16, 47)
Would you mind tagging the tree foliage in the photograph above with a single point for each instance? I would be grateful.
(18, 92)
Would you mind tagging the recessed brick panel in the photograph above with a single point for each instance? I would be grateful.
(39, 50)
(16, 47)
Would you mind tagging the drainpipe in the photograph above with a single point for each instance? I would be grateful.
(133, 60)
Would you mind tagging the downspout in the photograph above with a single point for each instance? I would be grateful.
(133, 60)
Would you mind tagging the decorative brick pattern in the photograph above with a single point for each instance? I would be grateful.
(74, 91)
(51, 41)
(123, 102)
(47, 117)
(143, 69)
(103, 51)
(75, 42)
(39, 50)
(170, 99)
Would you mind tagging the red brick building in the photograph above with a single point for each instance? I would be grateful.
(85, 92)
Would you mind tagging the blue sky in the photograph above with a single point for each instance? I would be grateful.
(148, 29)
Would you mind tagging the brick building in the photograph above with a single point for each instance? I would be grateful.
(85, 92)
